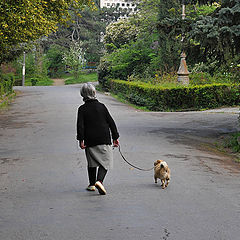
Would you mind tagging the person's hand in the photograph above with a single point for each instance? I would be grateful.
(115, 143)
(82, 145)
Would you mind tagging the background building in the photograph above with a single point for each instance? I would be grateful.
(121, 4)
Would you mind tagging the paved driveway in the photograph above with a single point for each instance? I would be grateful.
(43, 174)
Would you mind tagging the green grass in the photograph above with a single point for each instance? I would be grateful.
(169, 80)
(43, 81)
(83, 78)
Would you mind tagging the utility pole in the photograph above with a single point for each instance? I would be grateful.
(183, 73)
(23, 68)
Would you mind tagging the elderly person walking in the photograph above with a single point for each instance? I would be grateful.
(95, 128)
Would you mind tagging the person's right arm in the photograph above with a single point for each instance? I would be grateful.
(80, 128)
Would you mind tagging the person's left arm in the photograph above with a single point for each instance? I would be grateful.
(113, 128)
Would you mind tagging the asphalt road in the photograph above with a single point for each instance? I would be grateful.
(43, 174)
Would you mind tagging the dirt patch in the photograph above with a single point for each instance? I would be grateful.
(11, 121)
(58, 82)
(210, 142)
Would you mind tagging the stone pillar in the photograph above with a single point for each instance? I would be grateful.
(183, 73)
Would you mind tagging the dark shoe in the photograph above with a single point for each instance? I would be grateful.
(100, 188)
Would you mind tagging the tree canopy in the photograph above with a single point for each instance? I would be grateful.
(27, 20)
(219, 32)
(87, 27)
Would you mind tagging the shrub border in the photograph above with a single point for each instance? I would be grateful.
(180, 98)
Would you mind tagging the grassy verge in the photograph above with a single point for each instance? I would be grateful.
(234, 142)
(84, 77)
(230, 143)
(121, 98)
(42, 81)
(5, 101)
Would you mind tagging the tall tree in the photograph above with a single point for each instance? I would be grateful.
(219, 33)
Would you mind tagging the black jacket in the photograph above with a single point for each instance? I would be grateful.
(94, 124)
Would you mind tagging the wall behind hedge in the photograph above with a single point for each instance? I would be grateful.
(180, 98)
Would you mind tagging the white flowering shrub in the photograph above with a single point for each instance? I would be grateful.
(120, 33)
(74, 59)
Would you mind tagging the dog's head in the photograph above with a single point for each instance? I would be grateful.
(162, 163)
(157, 162)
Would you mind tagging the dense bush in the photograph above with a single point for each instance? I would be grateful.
(202, 78)
(119, 33)
(233, 142)
(103, 71)
(6, 84)
(54, 58)
(178, 98)
(131, 59)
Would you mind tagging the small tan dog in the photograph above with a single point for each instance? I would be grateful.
(162, 171)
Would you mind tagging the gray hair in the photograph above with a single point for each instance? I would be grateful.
(88, 91)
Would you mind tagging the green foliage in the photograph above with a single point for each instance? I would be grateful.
(88, 27)
(84, 77)
(34, 69)
(169, 32)
(138, 46)
(233, 142)
(177, 98)
(54, 59)
(211, 41)
(31, 67)
(212, 73)
(219, 33)
(6, 84)
(204, 10)
(103, 71)
(26, 20)
(120, 33)
(200, 2)
(167, 80)
(201, 78)
(130, 59)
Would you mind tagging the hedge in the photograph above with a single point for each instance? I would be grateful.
(180, 98)
(6, 84)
